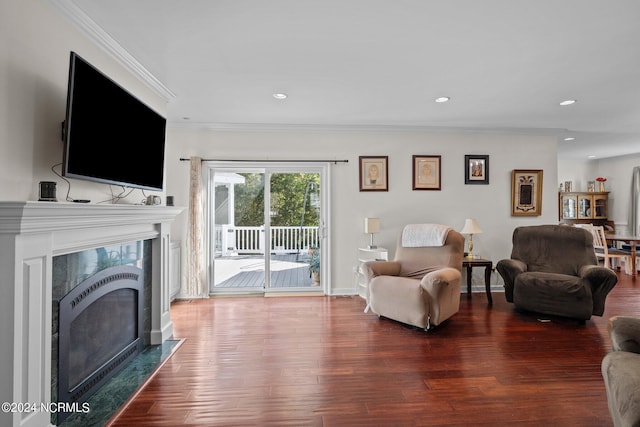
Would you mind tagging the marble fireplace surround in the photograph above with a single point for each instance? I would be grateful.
(31, 234)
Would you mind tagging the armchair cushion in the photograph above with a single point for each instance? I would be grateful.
(553, 294)
(399, 298)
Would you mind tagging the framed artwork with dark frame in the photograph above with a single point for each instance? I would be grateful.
(526, 192)
(427, 172)
(476, 169)
(374, 173)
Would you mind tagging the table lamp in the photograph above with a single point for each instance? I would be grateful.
(371, 227)
(470, 228)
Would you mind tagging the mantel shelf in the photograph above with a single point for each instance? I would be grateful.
(35, 217)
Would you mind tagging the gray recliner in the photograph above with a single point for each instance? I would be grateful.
(421, 286)
(553, 270)
(621, 371)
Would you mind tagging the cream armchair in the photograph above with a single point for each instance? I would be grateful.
(421, 286)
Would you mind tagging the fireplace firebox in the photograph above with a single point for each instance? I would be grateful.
(100, 329)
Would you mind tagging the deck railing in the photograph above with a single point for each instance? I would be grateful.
(233, 240)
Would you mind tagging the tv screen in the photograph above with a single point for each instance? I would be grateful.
(110, 136)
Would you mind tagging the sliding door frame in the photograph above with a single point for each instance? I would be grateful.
(322, 168)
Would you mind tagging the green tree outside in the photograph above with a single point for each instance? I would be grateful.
(287, 199)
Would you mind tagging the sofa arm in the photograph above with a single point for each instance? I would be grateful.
(601, 280)
(509, 269)
(621, 374)
(625, 333)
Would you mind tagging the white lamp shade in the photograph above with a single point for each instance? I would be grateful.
(371, 225)
(470, 227)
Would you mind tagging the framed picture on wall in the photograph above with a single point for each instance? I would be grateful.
(374, 173)
(426, 172)
(526, 192)
(476, 169)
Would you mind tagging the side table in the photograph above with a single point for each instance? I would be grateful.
(469, 263)
(364, 255)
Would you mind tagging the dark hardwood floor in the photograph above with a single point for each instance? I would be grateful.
(321, 361)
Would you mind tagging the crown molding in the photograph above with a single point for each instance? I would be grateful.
(355, 128)
(103, 40)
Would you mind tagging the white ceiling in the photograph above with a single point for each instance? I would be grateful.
(506, 64)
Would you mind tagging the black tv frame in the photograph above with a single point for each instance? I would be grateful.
(110, 136)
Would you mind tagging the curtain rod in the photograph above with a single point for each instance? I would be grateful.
(182, 159)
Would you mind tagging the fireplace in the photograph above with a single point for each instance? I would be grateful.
(100, 330)
(33, 236)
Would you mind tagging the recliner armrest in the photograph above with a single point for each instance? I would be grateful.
(601, 280)
(512, 266)
(441, 289)
(594, 272)
(625, 333)
(381, 268)
(509, 269)
(432, 282)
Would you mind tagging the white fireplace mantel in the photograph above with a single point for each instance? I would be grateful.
(31, 234)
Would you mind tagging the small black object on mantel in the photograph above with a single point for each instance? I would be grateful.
(47, 191)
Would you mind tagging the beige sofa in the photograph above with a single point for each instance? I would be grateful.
(421, 286)
(621, 371)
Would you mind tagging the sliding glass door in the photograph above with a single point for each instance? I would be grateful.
(236, 229)
(266, 228)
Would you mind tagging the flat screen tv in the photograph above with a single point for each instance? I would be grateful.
(110, 136)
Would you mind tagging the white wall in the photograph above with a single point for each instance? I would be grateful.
(489, 204)
(35, 41)
(578, 172)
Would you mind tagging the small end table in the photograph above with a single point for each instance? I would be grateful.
(469, 263)
(364, 255)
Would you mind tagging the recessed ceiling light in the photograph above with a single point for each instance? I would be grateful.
(591, 157)
(442, 99)
(280, 95)
(570, 138)
(568, 102)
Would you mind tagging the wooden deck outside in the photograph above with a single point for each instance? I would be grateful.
(247, 271)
